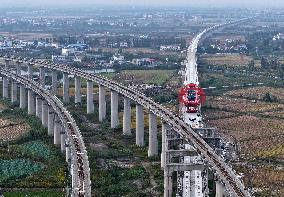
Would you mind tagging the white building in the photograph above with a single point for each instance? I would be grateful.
(8, 43)
(170, 48)
(55, 45)
(117, 58)
(123, 44)
(143, 61)
(58, 58)
(68, 51)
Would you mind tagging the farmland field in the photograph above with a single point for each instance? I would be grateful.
(156, 77)
(243, 105)
(28, 36)
(2, 107)
(12, 128)
(29, 160)
(34, 194)
(14, 169)
(254, 134)
(36, 149)
(251, 116)
(223, 79)
(258, 93)
(258, 127)
(139, 51)
(231, 60)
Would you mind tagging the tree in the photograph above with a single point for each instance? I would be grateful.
(251, 65)
(264, 63)
(281, 71)
(269, 98)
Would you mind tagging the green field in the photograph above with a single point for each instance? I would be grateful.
(17, 168)
(34, 194)
(156, 77)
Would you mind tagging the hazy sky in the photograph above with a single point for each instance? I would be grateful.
(239, 3)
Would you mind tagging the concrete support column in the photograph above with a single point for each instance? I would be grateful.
(51, 119)
(44, 113)
(57, 131)
(102, 103)
(63, 138)
(66, 98)
(220, 189)
(31, 102)
(90, 97)
(39, 107)
(14, 91)
(18, 68)
(5, 87)
(127, 117)
(6, 81)
(78, 90)
(153, 139)
(42, 76)
(168, 184)
(54, 82)
(74, 173)
(68, 153)
(23, 97)
(7, 64)
(139, 125)
(114, 110)
(164, 145)
(30, 71)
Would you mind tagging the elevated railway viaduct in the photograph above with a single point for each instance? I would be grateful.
(169, 120)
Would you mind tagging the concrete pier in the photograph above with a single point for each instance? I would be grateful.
(168, 184)
(5, 87)
(23, 97)
(14, 91)
(54, 82)
(6, 81)
(127, 117)
(66, 98)
(114, 110)
(42, 76)
(139, 125)
(164, 144)
(62, 143)
(220, 189)
(51, 119)
(31, 102)
(90, 97)
(18, 68)
(102, 103)
(74, 172)
(57, 131)
(68, 153)
(39, 107)
(30, 71)
(7, 64)
(44, 113)
(153, 139)
(78, 90)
